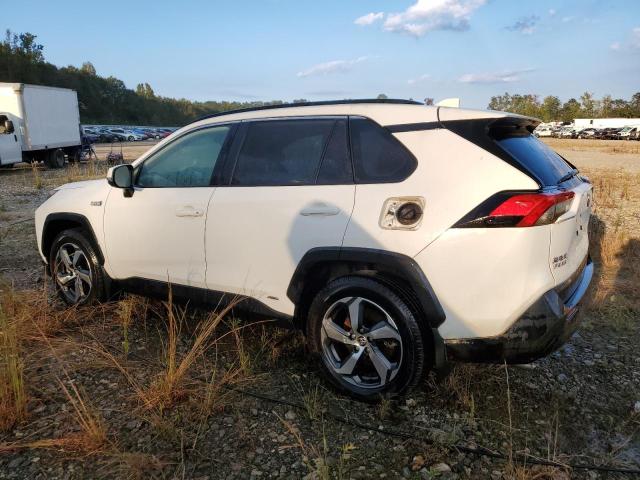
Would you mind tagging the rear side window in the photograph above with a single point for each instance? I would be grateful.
(378, 157)
(335, 168)
(536, 157)
(282, 152)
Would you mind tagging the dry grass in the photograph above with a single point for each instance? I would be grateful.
(615, 247)
(605, 146)
(37, 177)
(13, 396)
(172, 384)
(92, 425)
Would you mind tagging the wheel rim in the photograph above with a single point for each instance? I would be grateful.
(361, 344)
(72, 272)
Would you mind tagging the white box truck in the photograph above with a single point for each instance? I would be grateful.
(38, 124)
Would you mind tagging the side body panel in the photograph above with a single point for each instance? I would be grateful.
(453, 176)
(82, 198)
(487, 278)
(256, 236)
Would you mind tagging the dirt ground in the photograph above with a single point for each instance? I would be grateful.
(124, 391)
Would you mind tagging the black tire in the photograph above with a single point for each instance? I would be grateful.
(80, 239)
(413, 365)
(55, 159)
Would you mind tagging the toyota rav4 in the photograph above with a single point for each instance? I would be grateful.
(397, 236)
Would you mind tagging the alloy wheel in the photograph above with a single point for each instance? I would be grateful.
(361, 343)
(72, 272)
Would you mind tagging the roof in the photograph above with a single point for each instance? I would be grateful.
(313, 104)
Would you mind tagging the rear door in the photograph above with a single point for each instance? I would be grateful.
(290, 189)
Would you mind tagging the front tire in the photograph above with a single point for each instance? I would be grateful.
(77, 274)
(367, 339)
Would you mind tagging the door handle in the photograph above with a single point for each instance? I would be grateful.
(189, 212)
(320, 210)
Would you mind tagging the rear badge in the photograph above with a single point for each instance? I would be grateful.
(560, 261)
(96, 203)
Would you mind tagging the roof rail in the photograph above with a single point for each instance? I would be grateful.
(313, 104)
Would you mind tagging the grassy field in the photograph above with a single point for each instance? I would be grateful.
(147, 389)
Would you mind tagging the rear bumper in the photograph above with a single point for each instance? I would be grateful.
(544, 327)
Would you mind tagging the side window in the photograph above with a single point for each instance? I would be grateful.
(282, 152)
(187, 162)
(378, 157)
(3, 119)
(335, 168)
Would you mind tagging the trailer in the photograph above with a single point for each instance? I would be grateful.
(38, 124)
(582, 123)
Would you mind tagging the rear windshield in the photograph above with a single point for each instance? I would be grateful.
(536, 157)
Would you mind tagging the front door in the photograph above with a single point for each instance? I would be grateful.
(10, 149)
(158, 233)
(291, 190)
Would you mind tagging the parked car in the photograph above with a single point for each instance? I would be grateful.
(141, 132)
(90, 137)
(332, 217)
(542, 132)
(568, 132)
(587, 133)
(635, 135)
(106, 136)
(125, 135)
(625, 133)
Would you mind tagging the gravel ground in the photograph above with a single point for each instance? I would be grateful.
(581, 404)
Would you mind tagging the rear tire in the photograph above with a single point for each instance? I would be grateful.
(76, 271)
(382, 340)
(55, 158)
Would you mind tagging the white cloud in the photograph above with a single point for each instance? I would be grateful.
(525, 25)
(369, 18)
(501, 77)
(421, 78)
(632, 44)
(334, 66)
(428, 15)
(552, 12)
(567, 19)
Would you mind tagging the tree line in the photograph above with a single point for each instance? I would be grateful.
(550, 108)
(102, 100)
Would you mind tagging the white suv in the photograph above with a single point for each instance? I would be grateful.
(396, 235)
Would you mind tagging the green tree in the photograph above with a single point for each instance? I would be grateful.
(589, 105)
(570, 110)
(550, 110)
(88, 68)
(382, 96)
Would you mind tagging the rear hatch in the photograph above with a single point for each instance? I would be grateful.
(569, 242)
(511, 139)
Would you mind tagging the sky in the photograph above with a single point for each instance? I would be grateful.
(250, 50)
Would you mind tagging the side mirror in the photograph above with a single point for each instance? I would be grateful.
(121, 176)
(8, 126)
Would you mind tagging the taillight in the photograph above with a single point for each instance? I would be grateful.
(519, 210)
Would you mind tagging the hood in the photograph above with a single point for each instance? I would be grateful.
(83, 184)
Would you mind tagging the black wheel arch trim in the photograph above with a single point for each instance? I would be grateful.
(382, 261)
(68, 220)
